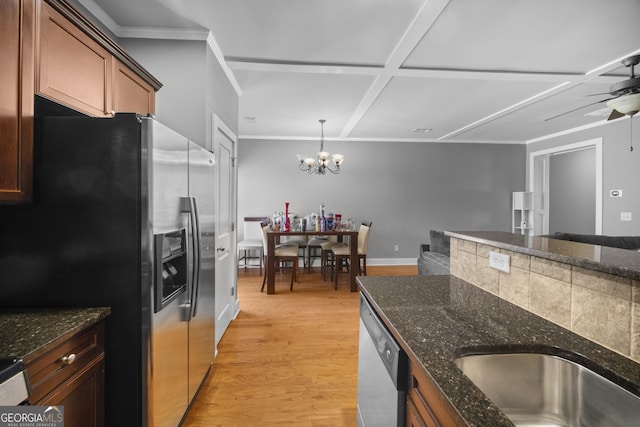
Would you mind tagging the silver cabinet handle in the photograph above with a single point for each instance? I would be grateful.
(69, 359)
(220, 249)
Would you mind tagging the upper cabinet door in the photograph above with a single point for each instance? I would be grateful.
(17, 23)
(73, 69)
(50, 49)
(131, 94)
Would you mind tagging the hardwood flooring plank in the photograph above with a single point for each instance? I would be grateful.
(289, 359)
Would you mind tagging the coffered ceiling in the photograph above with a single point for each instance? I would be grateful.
(467, 70)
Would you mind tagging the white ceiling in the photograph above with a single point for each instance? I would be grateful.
(470, 70)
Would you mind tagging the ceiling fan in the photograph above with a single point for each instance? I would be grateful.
(625, 95)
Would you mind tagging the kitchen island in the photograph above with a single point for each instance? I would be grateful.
(437, 319)
(609, 260)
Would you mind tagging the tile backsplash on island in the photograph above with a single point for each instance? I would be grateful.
(602, 307)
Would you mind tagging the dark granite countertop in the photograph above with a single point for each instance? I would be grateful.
(439, 318)
(621, 262)
(28, 333)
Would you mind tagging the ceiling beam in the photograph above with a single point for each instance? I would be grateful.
(425, 73)
(424, 19)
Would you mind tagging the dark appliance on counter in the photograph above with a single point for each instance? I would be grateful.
(383, 370)
(14, 382)
(123, 216)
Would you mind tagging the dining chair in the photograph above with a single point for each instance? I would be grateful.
(326, 259)
(314, 249)
(301, 241)
(252, 240)
(283, 253)
(341, 254)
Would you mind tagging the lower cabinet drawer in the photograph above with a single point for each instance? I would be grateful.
(70, 358)
(415, 417)
(82, 396)
(426, 403)
(418, 411)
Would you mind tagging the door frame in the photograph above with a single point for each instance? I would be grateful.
(219, 130)
(536, 181)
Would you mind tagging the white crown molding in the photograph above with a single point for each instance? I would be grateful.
(102, 16)
(213, 45)
(163, 34)
(142, 32)
(353, 139)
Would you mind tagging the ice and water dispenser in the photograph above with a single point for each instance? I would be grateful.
(171, 267)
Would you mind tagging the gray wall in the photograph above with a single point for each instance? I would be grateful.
(406, 189)
(572, 198)
(620, 170)
(194, 85)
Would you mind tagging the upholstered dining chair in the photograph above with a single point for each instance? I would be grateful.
(301, 241)
(284, 252)
(342, 253)
(326, 259)
(314, 249)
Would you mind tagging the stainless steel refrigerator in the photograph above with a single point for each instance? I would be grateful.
(123, 216)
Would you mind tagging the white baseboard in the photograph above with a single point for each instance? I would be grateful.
(392, 261)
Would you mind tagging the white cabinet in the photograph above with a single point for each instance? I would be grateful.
(522, 213)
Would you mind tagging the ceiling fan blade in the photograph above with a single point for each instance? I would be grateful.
(615, 114)
(592, 94)
(576, 109)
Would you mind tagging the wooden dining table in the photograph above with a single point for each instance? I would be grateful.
(273, 238)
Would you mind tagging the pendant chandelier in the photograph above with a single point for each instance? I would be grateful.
(324, 161)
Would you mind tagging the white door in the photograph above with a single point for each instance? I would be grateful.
(227, 305)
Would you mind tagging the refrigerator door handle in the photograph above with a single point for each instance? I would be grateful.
(190, 205)
(198, 258)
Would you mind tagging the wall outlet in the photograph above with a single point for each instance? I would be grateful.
(500, 262)
(396, 248)
(625, 216)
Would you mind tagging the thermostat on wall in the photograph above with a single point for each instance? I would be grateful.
(615, 193)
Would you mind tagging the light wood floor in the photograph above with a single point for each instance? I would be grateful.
(289, 358)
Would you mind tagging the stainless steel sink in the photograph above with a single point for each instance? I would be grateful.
(543, 390)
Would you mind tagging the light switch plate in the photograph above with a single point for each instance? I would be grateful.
(500, 261)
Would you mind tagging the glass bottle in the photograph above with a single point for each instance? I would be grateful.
(287, 221)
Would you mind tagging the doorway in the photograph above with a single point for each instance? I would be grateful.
(566, 182)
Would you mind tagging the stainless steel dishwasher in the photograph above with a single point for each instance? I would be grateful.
(382, 373)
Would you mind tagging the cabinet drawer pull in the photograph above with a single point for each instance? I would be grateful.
(68, 360)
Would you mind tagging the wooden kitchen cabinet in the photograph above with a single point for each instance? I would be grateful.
(72, 69)
(131, 94)
(426, 406)
(80, 67)
(17, 26)
(414, 419)
(72, 375)
(76, 71)
(48, 48)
